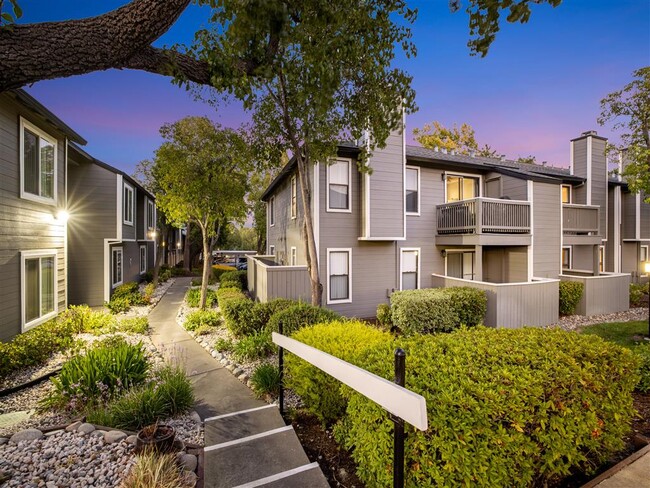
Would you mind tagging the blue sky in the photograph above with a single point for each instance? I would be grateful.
(539, 86)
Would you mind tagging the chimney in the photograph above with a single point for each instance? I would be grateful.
(589, 162)
(590, 133)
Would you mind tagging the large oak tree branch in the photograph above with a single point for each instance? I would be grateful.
(169, 63)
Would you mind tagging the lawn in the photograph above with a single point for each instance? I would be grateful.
(625, 334)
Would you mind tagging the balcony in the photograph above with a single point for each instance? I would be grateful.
(580, 224)
(483, 221)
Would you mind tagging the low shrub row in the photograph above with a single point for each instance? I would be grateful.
(125, 296)
(234, 279)
(202, 318)
(219, 269)
(193, 297)
(637, 292)
(433, 310)
(570, 295)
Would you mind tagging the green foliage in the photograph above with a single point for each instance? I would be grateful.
(134, 325)
(460, 139)
(219, 269)
(345, 340)
(149, 290)
(384, 316)
(257, 345)
(432, 310)
(234, 279)
(626, 334)
(643, 351)
(193, 297)
(637, 291)
(124, 297)
(266, 380)
(570, 295)
(222, 345)
(201, 318)
(299, 315)
(505, 408)
(238, 314)
(152, 469)
(99, 373)
(169, 393)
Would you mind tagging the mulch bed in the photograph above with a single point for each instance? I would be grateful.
(340, 470)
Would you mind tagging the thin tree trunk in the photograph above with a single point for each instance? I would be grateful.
(206, 265)
(156, 264)
(187, 264)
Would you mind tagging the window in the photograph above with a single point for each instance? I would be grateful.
(294, 198)
(127, 204)
(338, 186)
(143, 259)
(272, 211)
(460, 265)
(566, 258)
(116, 266)
(38, 164)
(151, 215)
(38, 276)
(272, 250)
(566, 193)
(294, 256)
(644, 258)
(412, 187)
(338, 276)
(601, 259)
(461, 188)
(409, 264)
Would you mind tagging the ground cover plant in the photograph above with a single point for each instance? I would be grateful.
(124, 297)
(266, 380)
(638, 294)
(152, 469)
(202, 318)
(193, 297)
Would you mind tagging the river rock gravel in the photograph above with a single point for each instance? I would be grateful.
(577, 322)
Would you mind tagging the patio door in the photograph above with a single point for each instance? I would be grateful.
(460, 264)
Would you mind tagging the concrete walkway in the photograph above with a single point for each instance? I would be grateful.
(633, 472)
(247, 443)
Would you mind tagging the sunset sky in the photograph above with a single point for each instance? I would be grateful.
(539, 86)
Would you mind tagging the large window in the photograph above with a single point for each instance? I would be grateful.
(38, 164)
(339, 276)
(272, 211)
(338, 186)
(38, 276)
(127, 204)
(566, 193)
(461, 188)
(566, 257)
(461, 264)
(117, 267)
(412, 187)
(410, 264)
(151, 215)
(143, 259)
(294, 198)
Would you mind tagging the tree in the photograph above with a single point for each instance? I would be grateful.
(460, 139)
(527, 159)
(123, 38)
(201, 172)
(629, 108)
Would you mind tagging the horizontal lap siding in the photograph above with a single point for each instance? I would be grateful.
(515, 188)
(287, 232)
(645, 219)
(387, 189)
(629, 215)
(546, 232)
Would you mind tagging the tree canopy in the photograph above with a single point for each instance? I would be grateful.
(460, 139)
(629, 109)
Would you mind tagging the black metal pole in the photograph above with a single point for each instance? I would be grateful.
(398, 432)
(281, 368)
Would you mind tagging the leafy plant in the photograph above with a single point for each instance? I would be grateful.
(202, 318)
(238, 278)
(570, 295)
(134, 325)
(643, 351)
(300, 315)
(152, 469)
(238, 315)
(219, 269)
(193, 297)
(255, 346)
(149, 290)
(637, 291)
(266, 380)
(383, 316)
(222, 345)
(124, 297)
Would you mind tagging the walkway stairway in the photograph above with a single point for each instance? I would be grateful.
(247, 443)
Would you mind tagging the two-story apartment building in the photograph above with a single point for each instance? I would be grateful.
(112, 229)
(426, 218)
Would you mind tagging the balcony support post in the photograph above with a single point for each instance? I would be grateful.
(596, 257)
(478, 264)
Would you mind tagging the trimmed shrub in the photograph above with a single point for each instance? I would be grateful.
(570, 295)
(255, 346)
(238, 278)
(432, 310)
(225, 294)
(345, 340)
(200, 318)
(643, 351)
(636, 293)
(505, 408)
(193, 297)
(262, 313)
(299, 315)
(124, 297)
(219, 269)
(266, 380)
(384, 316)
(238, 314)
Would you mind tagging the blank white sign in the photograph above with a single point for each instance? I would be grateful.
(397, 400)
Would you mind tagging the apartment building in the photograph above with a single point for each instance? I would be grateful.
(426, 218)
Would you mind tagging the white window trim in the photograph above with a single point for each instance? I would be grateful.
(24, 124)
(150, 211)
(419, 263)
(142, 246)
(294, 187)
(469, 175)
(570, 194)
(570, 258)
(271, 250)
(294, 256)
(340, 210)
(24, 256)
(132, 190)
(647, 254)
(113, 251)
(417, 214)
(272, 212)
(349, 251)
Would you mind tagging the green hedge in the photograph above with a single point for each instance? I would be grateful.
(437, 309)
(570, 295)
(245, 317)
(505, 408)
(219, 269)
(193, 297)
(637, 291)
(202, 318)
(643, 351)
(238, 278)
(300, 315)
(124, 297)
(345, 340)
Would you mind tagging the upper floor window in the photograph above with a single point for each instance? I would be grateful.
(338, 186)
(294, 197)
(566, 193)
(127, 204)
(461, 188)
(412, 187)
(151, 215)
(38, 164)
(272, 211)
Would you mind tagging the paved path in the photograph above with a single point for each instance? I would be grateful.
(247, 443)
(633, 472)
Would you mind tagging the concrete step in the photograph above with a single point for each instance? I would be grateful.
(310, 478)
(246, 460)
(229, 427)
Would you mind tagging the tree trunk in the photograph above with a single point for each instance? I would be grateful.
(187, 259)
(206, 266)
(156, 265)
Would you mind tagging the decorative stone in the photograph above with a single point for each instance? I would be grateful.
(243, 377)
(98, 433)
(113, 436)
(3, 440)
(214, 353)
(195, 416)
(237, 371)
(188, 462)
(86, 428)
(73, 426)
(131, 439)
(27, 435)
